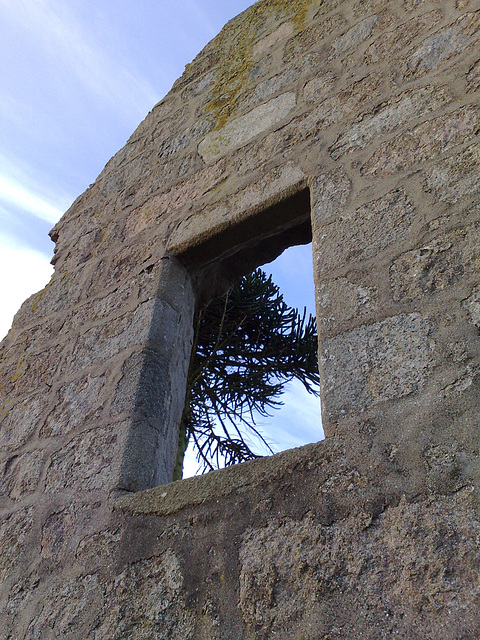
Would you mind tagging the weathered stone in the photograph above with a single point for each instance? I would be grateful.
(79, 403)
(95, 551)
(320, 88)
(473, 77)
(375, 363)
(285, 30)
(89, 462)
(291, 567)
(159, 207)
(312, 37)
(19, 420)
(425, 142)
(240, 131)
(390, 45)
(330, 195)
(15, 534)
(363, 7)
(183, 140)
(128, 388)
(340, 106)
(410, 105)
(212, 218)
(21, 474)
(145, 599)
(68, 612)
(371, 228)
(472, 306)
(342, 300)
(455, 177)
(445, 43)
(57, 537)
(354, 36)
(442, 263)
(372, 533)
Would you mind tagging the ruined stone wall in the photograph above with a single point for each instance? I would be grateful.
(363, 118)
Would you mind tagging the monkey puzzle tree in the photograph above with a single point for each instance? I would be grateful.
(247, 345)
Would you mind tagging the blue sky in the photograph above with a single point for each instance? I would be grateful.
(77, 77)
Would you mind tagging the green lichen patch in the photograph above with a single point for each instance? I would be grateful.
(234, 47)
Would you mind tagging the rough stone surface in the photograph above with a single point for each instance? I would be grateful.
(239, 132)
(362, 117)
(377, 362)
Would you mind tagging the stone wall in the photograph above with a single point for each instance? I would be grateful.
(355, 124)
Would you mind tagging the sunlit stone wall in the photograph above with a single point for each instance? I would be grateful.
(370, 108)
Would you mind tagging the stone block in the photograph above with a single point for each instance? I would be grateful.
(472, 306)
(363, 234)
(443, 263)
(57, 533)
(341, 105)
(445, 43)
(21, 474)
(375, 363)
(146, 601)
(354, 36)
(15, 533)
(19, 420)
(112, 305)
(455, 177)
(95, 551)
(33, 373)
(330, 195)
(121, 266)
(244, 128)
(264, 45)
(52, 299)
(290, 566)
(144, 386)
(342, 300)
(77, 404)
(159, 208)
(183, 140)
(365, 7)
(320, 88)
(424, 143)
(88, 463)
(70, 611)
(408, 106)
(473, 77)
(207, 221)
(108, 340)
(313, 37)
(391, 45)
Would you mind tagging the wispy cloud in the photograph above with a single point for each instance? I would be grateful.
(32, 272)
(20, 189)
(14, 193)
(63, 38)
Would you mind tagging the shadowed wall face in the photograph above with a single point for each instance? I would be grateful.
(364, 117)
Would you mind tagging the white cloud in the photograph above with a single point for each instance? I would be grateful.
(24, 272)
(11, 192)
(20, 189)
(61, 36)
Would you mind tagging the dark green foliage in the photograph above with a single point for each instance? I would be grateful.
(247, 345)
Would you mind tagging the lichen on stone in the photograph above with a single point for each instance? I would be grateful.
(235, 47)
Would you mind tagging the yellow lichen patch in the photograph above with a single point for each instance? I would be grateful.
(21, 368)
(235, 45)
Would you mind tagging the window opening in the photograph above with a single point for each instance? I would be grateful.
(229, 253)
(297, 421)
